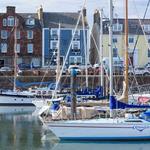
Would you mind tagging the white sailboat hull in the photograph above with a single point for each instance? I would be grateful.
(15, 101)
(13, 98)
(100, 131)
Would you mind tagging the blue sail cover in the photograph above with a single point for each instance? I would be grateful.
(114, 104)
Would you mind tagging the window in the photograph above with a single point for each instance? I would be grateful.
(30, 48)
(72, 60)
(3, 47)
(117, 27)
(54, 45)
(54, 33)
(18, 34)
(146, 28)
(131, 40)
(148, 40)
(114, 40)
(76, 34)
(29, 34)
(75, 46)
(115, 52)
(10, 21)
(4, 34)
(148, 52)
(78, 60)
(4, 22)
(75, 60)
(30, 21)
(18, 48)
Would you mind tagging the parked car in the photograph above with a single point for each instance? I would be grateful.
(5, 69)
(139, 71)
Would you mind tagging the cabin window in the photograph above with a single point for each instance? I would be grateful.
(4, 22)
(3, 47)
(133, 121)
(29, 34)
(10, 21)
(30, 48)
(4, 34)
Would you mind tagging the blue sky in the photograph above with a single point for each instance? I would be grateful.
(136, 7)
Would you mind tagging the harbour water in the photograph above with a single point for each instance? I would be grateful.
(21, 130)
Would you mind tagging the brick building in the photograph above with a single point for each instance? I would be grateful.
(28, 35)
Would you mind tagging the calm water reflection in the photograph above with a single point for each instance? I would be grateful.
(20, 130)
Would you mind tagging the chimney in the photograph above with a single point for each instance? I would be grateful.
(40, 15)
(84, 16)
(96, 17)
(11, 9)
(84, 12)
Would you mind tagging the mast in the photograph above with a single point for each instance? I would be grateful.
(15, 54)
(85, 46)
(101, 49)
(111, 54)
(58, 57)
(126, 51)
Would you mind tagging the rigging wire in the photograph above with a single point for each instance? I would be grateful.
(137, 31)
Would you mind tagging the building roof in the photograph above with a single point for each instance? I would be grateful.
(134, 26)
(67, 20)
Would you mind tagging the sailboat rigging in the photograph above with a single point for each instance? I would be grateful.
(107, 128)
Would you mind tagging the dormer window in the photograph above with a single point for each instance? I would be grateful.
(10, 21)
(76, 34)
(146, 28)
(54, 33)
(30, 21)
(117, 27)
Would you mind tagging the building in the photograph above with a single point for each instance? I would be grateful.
(78, 48)
(138, 39)
(28, 36)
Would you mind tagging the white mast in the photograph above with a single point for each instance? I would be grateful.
(85, 47)
(15, 53)
(111, 53)
(58, 57)
(101, 48)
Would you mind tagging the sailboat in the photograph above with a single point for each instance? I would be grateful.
(14, 97)
(112, 128)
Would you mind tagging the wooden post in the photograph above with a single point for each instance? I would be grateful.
(73, 94)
